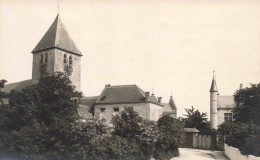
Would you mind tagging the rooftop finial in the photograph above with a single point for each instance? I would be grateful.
(152, 92)
(58, 7)
(171, 92)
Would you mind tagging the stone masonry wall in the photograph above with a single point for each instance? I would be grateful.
(37, 63)
(59, 66)
(55, 64)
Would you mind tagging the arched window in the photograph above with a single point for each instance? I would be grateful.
(41, 58)
(46, 57)
(70, 60)
(65, 58)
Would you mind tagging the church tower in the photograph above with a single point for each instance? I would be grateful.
(56, 52)
(213, 104)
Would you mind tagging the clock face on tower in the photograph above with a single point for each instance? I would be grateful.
(68, 69)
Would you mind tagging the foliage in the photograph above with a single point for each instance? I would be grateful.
(82, 139)
(135, 136)
(170, 137)
(30, 119)
(127, 124)
(196, 119)
(247, 105)
(41, 121)
(244, 136)
(244, 132)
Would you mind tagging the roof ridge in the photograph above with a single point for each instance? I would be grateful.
(139, 90)
(55, 38)
(18, 81)
(90, 97)
(127, 85)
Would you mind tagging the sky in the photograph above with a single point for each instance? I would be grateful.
(168, 46)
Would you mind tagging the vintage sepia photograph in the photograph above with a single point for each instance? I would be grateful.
(129, 80)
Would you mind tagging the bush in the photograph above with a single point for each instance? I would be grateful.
(170, 137)
(244, 136)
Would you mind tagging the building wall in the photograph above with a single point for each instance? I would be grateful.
(37, 63)
(145, 110)
(156, 111)
(55, 64)
(221, 114)
(59, 66)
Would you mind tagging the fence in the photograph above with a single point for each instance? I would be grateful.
(202, 141)
(234, 154)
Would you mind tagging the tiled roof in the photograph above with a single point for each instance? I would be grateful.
(88, 101)
(226, 102)
(167, 107)
(57, 37)
(83, 111)
(123, 94)
(191, 130)
(16, 86)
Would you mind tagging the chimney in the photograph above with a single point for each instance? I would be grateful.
(107, 85)
(147, 96)
(241, 86)
(159, 100)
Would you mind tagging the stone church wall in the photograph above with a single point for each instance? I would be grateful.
(59, 66)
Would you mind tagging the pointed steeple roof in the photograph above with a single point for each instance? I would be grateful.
(57, 37)
(213, 87)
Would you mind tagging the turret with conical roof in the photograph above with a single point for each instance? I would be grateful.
(213, 103)
(57, 52)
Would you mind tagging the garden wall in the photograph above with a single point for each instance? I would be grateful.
(234, 154)
(202, 141)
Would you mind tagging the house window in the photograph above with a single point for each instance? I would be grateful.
(227, 117)
(41, 58)
(65, 58)
(102, 110)
(46, 57)
(70, 60)
(116, 111)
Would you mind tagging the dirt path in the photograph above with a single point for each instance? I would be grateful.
(198, 154)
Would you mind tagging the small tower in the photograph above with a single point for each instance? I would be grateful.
(213, 104)
(56, 52)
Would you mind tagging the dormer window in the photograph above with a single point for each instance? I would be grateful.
(41, 58)
(70, 60)
(65, 58)
(46, 57)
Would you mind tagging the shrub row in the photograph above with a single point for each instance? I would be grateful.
(244, 136)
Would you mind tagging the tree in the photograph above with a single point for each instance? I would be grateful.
(132, 136)
(247, 104)
(170, 137)
(196, 119)
(36, 113)
(244, 132)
